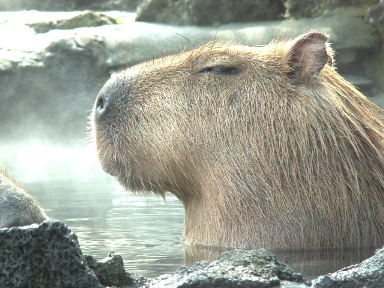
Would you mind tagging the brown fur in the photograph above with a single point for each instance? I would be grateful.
(17, 207)
(274, 150)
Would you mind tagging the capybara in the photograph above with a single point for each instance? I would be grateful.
(17, 207)
(265, 146)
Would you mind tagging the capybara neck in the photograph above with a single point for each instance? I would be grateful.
(265, 146)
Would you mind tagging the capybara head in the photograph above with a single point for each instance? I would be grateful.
(265, 146)
(17, 207)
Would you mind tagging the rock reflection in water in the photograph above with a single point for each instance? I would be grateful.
(145, 231)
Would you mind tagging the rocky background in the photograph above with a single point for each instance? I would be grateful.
(53, 61)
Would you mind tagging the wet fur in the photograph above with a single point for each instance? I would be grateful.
(17, 207)
(281, 154)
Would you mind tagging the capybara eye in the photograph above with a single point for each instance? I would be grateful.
(220, 69)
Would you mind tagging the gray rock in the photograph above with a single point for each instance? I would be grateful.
(43, 5)
(52, 87)
(310, 8)
(375, 67)
(108, 5)
(367, 274)
(48, 255)
(86, 19)
(239, 268)
(45, 255)
(68, 5)
(375, 16)
(208, 12)
(110, 271)
(50, 80)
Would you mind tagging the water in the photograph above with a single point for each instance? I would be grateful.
(144, 230)
(71, 187)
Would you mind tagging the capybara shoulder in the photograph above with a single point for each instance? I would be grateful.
(265, 146)
(17, 207)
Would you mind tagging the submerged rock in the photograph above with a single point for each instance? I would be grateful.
(239, 268)
(45, 255)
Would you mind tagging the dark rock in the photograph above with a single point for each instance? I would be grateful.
(208, 12)
(374, 66)
(375, 16)
(104, 5)
(368, 274)
(45, 255)
(311, 8)
(110, 270)
(239, 268)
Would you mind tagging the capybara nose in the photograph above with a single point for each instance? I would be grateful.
(102, 103)
(108, 96)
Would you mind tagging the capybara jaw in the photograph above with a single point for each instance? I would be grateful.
(265, 146)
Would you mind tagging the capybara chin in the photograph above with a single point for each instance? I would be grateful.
(17, 207)
(265, 146)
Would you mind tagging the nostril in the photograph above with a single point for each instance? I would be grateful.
(100, 104)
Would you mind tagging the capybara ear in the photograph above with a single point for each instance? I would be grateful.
(307, 55)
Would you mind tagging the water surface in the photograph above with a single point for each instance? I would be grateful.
(144, 229)
(67, 181)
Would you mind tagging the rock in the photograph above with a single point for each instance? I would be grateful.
(45, 255)
(42, 5)
(367, 274)
(143, 41)
(63, 76)
(108, 5)
(374, 66)
(68, 5)
(208, 12)
(110, 271)
(375, 16)
(50, 80)
(239, 268)
(48, 255)
(299, 8)
(86, 19)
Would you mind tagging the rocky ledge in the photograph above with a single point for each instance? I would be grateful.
(49, 255)
(52, 65)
